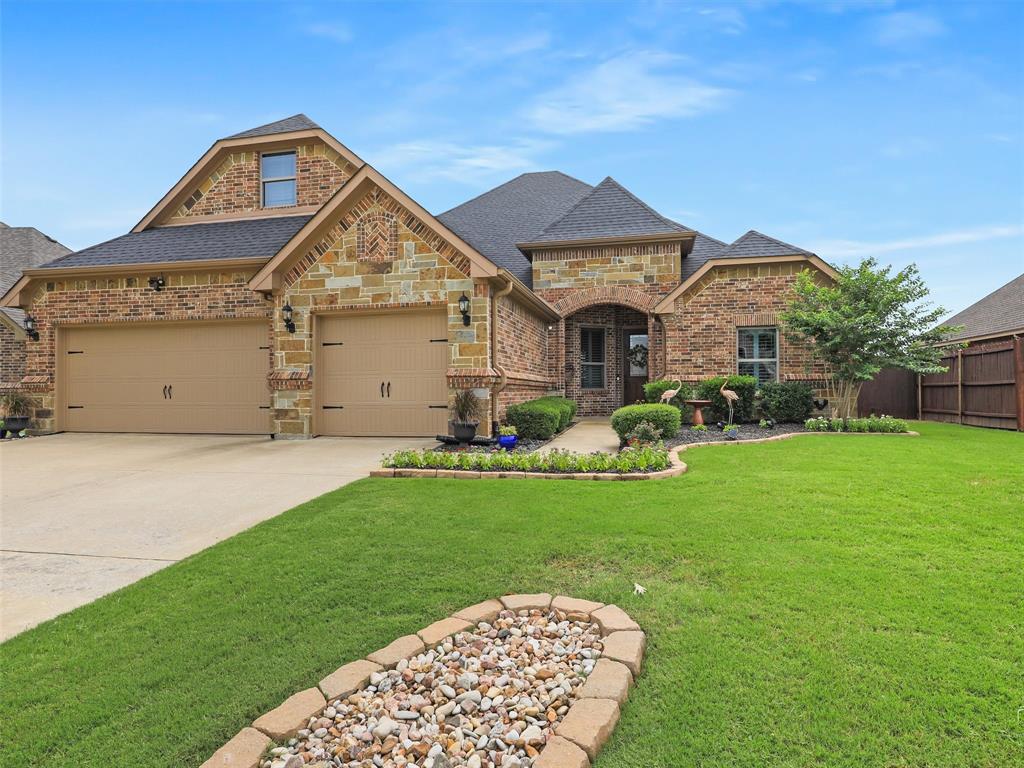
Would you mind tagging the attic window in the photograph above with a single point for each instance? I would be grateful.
(277, 177)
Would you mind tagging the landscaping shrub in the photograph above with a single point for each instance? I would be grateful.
(653, 391)
(644, 433)
(566, 409)
(744, 386)
(665, 418)
(872, 424)
(787, 400)
(639, 459)
(533, 420)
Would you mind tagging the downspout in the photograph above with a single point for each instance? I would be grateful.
(502, 375)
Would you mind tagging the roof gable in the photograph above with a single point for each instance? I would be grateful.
(1002, 311)
(514, 212)
(297, 122)
(755, 245)
(23, 248)
(608, 211)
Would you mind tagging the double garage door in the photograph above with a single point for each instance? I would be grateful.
(167, 377)
(377, 375)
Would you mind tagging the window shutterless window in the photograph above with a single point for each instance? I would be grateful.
(277, 178)
(592, 363)
(757, 353)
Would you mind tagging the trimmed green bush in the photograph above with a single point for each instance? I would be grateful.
(871, 424)
(653, 391)
(533, 420)
(744, 386)
(640, 459)
(566, 409)
(665, 418)
(787, 400)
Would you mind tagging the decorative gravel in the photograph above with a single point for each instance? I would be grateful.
(487, 698)
(687, 436)
(522, 446)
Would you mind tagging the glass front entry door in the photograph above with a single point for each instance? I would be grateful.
(635, 351)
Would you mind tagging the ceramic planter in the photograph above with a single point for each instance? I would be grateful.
(464, 432)
(508, 442)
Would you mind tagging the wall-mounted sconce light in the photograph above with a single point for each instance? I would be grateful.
(157, 283)
(464, 308)
(286, 315)
(30, 328)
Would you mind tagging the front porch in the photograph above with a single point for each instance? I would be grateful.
(607, 359)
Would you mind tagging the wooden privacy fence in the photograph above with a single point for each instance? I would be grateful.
(892, 392)
(983, 387)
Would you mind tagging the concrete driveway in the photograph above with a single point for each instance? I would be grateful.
(82, 515)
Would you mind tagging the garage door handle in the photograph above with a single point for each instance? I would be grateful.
(170, 391)
(165, 391)
(382, 389)
(389, 389)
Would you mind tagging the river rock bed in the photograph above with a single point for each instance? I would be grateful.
(486, 698)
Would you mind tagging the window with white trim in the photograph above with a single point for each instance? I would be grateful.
(757, 353)
(592, 358)
(277, 179)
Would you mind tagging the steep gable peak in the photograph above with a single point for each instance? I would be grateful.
(297, 122)
(756, 244)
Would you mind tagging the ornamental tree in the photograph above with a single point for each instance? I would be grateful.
(867, 320)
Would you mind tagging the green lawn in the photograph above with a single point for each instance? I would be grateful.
(827, 600)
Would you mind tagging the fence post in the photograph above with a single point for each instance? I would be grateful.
(960, 385)
(1018, 358)
(919, 377)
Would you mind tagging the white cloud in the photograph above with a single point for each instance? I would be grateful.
(331, 30)
(730, 19)
(624, 93)
(905, 27)
(856, 248)
(473, 165)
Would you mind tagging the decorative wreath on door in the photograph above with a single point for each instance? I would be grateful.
(637, 356)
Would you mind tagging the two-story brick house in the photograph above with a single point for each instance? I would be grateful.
(285, 286)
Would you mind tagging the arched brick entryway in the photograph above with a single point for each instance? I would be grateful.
(634, 298)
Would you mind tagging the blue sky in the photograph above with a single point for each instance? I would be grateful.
(851, 129)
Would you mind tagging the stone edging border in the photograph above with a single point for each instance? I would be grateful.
(576, 740)
(678, 465)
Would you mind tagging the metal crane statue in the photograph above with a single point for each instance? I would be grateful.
(668, 394)
(730, 397)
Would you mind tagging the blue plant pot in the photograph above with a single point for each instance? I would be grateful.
(731, 434)
(508, 442)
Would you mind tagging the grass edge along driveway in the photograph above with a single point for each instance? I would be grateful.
(813, 601)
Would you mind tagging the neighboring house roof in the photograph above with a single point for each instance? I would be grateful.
(999, 313)
(704, 248)
(23, 248)
(515, 212)
(238, 239)
(608, 210)
(755, 245)
(297, 122)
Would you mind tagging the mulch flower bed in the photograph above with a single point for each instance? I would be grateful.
(487, 697)
(688, 436)
(522, 446)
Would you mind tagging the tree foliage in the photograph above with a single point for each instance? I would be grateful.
(867, 320)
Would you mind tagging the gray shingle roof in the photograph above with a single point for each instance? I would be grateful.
(297, 122)
(609, 210)
(22, 248)
(515, 212)
(755, 245)
(1002, 311)
(704, 248)
(246, 238)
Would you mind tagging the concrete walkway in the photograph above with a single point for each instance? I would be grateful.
(589, 435)
(82, 515)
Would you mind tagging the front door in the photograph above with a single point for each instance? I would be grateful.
(634, 366)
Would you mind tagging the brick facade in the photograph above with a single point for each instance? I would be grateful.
(652, 267)
(234, 187)
(524, 353)
(12, 357)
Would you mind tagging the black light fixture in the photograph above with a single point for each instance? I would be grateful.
(30, 328)
(464, 308)
(157, 283)
(286, 315)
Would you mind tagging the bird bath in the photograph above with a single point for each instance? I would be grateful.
(698, 417)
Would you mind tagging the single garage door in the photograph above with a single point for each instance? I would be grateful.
(167, 377)
(383, 375)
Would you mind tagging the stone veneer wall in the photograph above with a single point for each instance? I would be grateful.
(200, 295)
(12, 358)
(701, 334)
(234, 187)
(614, 320)
(376, 256)
(524, 352)
(557, 272)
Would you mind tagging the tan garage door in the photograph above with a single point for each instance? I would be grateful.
(167, 377)
(383, 374)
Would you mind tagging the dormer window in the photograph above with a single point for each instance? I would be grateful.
(277, 177)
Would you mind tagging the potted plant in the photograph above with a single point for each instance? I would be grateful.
(508, 437)
(466, 409)
(16, 408)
